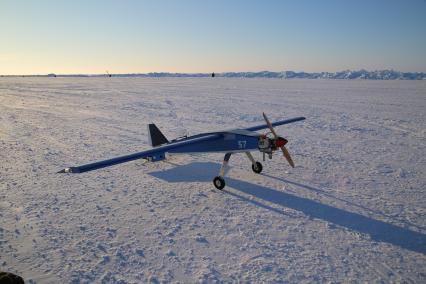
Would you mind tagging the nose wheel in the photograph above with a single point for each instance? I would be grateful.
(219, 182)
(257, 168)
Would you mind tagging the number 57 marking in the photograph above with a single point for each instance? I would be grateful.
(242, 144)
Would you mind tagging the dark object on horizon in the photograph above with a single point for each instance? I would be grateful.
(10, 278)
(213, 75)
(51, 75)
(109, 75)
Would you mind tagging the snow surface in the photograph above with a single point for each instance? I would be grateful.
(353, 209)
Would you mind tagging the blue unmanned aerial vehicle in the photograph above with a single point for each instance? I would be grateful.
(229, 142)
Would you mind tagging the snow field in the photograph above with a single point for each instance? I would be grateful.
(353, 209)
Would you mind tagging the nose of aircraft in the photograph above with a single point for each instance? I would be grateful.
(280, 142)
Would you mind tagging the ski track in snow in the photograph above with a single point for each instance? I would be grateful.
(353, 209)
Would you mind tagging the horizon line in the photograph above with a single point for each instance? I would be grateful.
(203, 73)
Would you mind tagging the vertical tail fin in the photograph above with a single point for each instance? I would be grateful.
(155, 136)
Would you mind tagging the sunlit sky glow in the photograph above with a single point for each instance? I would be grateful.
(69, 37)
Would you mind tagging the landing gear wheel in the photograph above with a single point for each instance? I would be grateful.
(258, 168)
(219, 182)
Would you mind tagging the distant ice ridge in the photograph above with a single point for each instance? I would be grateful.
(347, 74)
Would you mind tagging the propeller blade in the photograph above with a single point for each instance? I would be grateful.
(287, 156)
(283, 148)
(270, 125)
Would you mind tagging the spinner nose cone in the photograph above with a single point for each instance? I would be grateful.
(281, 142)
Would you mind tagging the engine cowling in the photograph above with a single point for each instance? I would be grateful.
(268, 145)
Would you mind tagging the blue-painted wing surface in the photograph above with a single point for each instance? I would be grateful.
(155, 153)
(229, 142)
(277, 123)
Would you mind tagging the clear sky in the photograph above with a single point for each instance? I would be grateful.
(39, 37)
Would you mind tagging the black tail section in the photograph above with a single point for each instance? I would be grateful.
(155, 136)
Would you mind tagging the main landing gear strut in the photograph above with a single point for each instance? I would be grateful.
(219, 181)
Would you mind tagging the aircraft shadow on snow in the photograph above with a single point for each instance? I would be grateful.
(377, 230)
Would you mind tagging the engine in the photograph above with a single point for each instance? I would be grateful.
(268, 145)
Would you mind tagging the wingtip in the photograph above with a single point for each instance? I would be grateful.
(66, 170)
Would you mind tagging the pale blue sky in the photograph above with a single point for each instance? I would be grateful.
(204, 36)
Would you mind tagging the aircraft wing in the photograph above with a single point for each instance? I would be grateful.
(141, 155)
(277, 123)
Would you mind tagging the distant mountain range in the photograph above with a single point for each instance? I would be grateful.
(348, 74)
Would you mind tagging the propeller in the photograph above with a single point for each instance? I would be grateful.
(283, 148)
